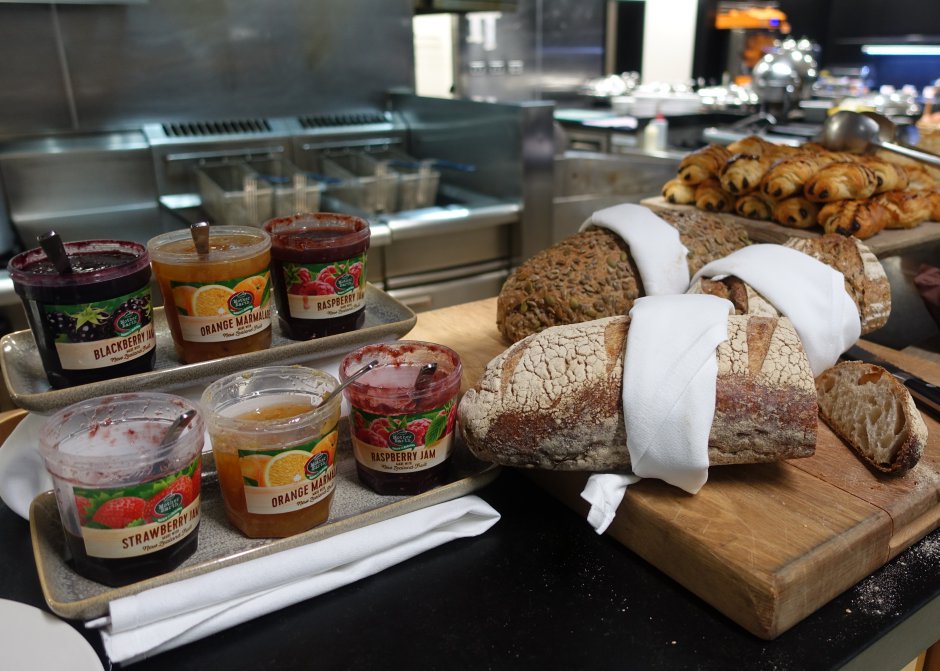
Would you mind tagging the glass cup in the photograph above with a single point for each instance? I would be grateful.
(94, 323)
(129, 505)
(318, 265)
(274, 432)
(216, 304)
(402, 428)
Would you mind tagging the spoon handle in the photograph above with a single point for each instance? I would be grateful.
(923, 156)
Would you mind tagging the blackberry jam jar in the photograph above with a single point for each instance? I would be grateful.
(318, 268)
(95, 322)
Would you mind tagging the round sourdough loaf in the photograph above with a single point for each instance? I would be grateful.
(554, 399)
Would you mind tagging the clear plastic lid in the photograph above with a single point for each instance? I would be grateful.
(226, 244)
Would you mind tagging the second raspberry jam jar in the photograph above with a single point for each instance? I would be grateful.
(402, 423)
(318, 267)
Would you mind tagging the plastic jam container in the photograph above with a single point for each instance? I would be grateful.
(129, 505)
(402, 432)
(219, 303)
(275, 447)
(318, 264)
(94, 323)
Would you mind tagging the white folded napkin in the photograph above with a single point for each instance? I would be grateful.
(808, 292)
(654, 245)
(669, 378)
(166, 617)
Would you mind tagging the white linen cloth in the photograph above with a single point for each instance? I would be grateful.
(654, 245)
(809, 293)
(172, 615)
(669, 378)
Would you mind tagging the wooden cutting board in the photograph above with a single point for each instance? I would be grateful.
(885, 243)
(765, 544)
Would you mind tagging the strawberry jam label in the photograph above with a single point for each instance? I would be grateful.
(325, 290)
(404, 443)
(104, 333)
(223, 310)
(139, 519)
(281, 480)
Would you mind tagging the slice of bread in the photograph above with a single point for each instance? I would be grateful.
(874, 413)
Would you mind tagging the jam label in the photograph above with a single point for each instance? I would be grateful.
(223, 310)
(325, 290)
(101, 334)
(404, 443)
(282, 480)
(139, 519)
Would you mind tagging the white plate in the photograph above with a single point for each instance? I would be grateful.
(35, 639)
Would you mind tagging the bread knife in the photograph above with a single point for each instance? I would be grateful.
(928, 394)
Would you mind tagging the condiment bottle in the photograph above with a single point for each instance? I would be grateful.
(402, 425)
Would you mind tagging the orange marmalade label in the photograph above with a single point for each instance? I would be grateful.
(223, 310)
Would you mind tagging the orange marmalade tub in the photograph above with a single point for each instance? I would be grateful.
(216, 304)
(274, 432)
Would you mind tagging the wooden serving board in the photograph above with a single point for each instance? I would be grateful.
(765, 544)
(885, 243)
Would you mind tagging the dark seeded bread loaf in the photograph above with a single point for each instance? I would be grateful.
(873, 413)
(865, 280)
(591, 274)
(554, 399)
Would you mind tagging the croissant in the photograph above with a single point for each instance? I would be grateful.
(919, 177)
(861, 218)
(710, 196)
(787, 176)
(703, 164)
(796, 212)
(841, 181)
(753, 206)
(754, 145)
(678, 192)
(889, 176)
(742, 173)
(906, 209)
(933, 196)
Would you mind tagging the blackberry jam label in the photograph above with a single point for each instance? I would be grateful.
(325, 290)
(101, 334)
(403, 443)
(223, 310)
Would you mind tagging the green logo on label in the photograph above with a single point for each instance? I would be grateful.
(345, 283)
(240, 302)
(168, 505)
(127, 323)
(402, 439)
(317, 465)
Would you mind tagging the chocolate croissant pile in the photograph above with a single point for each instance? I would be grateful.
(806, 186)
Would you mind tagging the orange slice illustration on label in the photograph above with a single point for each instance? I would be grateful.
(183, 298)
(255, 286)
(211, 300)
(286, 468)
(252, 466)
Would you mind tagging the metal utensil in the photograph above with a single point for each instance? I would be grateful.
(200, 233)
(925, 392)
(54, 248)
(352, 378)
(855, 132)
(176, 428)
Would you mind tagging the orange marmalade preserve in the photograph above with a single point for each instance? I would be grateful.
(219, 303)
(274, 441)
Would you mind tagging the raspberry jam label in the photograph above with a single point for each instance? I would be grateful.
(404, 443)
(282, 480)
(325, 290)
(101, 334)
(139, 519)
(223, 310)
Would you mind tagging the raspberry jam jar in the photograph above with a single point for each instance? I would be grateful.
(274, 432)
(318, 265)
(402, 428)
(218, 303)
(129, 505)
(95, 322)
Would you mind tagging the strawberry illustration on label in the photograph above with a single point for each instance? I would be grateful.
(120, 512)
(82, 506)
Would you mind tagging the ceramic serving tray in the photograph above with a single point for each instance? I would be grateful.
(23, 374)
(354, 505)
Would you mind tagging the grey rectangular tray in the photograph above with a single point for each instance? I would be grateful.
(354, 505)
(23, 374)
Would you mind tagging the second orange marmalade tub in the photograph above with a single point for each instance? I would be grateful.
(216, 304)
(274, 432)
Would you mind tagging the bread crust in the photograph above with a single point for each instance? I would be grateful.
(554, 399)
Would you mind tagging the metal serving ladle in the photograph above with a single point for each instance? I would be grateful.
(856, 132)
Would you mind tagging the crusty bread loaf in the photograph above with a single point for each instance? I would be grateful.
(591, 274)
(554, 399)
(874, 413)
(865, 280)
